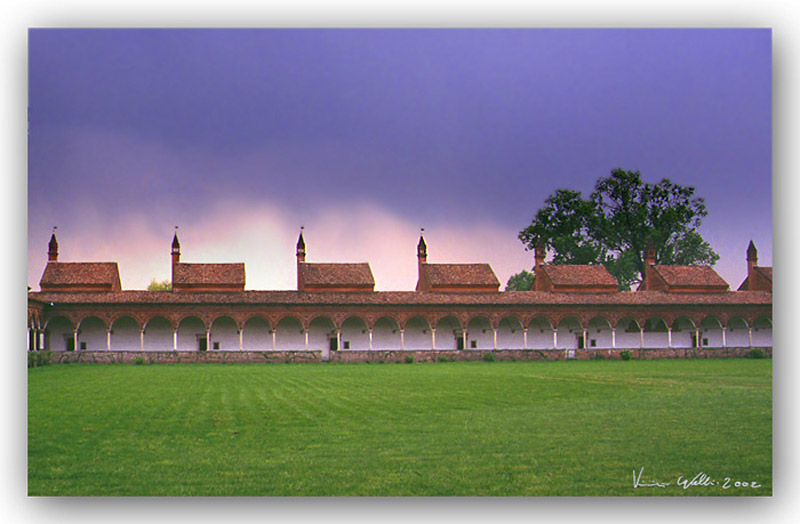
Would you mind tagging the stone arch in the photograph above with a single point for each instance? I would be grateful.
(417, 333)
(510, 333)
(257, 334)
(448, 331)
(570, 333)
(684, 333)
(386, 333)
(540, 333)
(92, 334)
(480, 333)
(628, 333)
(125, 333)
(223, 334)
(58, 334)
(355, 333)
(711, 332)
(762, 331)
(192, 334)
(656, 333)
(158, 334)
(599, 333)
(320, 332)
(290, 334)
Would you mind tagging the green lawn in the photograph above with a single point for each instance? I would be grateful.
(461, 428)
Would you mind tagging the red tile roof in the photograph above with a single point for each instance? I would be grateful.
(690, 276)
(72, 274)
(766, 271)
(338, 275)
(204, 274)
(579, 275)
(460, 275)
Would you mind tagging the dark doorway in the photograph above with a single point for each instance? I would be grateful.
(202, 343)
(70, 344)
(460, 343)
(333, 344)
(581, 342)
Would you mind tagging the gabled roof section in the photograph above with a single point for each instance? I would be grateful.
(457, 277)
(683, 279)
(80, 276)
(336, 276)
(213, 276)
(762, 280)
(579, 276)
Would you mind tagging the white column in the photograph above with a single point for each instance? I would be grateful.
(724, 337)
(338, 340)
(370, 338)
(555, 338)
(241, 339)
(433, 338)
(175, 340)
(585, 340)
(402, 339)
(641, 337)
(273, 340)
(669, 336)
(697, 335)
(141, 339)
(41, 340)
(306, 346)
(750, 336)
(495, 338)
(209, 345)
(28, 339)
(108, 339)
(613, 338)
(525, 338)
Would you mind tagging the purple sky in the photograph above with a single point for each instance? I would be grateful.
(363, 136)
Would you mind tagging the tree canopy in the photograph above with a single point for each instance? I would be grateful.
(615, 224)
(521, 281)
(164, 285)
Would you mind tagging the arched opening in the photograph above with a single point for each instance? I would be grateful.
(656, 333)
(711, 332)
(386, 334)
(417, 334)
(92, 334)
(599, 333)
(192, 335)
(762, 332)
(290, 335)
(570, 334)
(628, 333)
(125, 334)
(510, 334)
(683, 333)
(158, 335)
(224, 334)
(480, 334)
(448, 331)
(58, 335)
(355, 334)
(540, 334)
(322, 334)
(737, 332)
(257, 334)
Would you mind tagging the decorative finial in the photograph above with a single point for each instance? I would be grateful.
(54, 229)
(302, 228)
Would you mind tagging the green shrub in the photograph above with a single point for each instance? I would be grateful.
(39, 358)
(756, 353)
(599, 356)
(625, 355)
(489, 357)
(409, 359)
(442, 358)
(139, 360)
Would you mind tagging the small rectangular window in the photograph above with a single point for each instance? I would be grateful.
(593, 342)
(705, 341)
(216, 345)
(83, 345)
(473, 344)
(346, 344)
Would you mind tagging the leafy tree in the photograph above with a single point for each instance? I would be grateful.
(164, 285)
(613, 227)
(521, 281)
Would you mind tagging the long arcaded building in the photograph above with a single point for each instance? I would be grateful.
(81, 307)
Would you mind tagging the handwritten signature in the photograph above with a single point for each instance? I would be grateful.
(699, 480)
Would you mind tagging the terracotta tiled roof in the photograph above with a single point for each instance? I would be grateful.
(460, 275)
(766, 271)
(690, 276)
(229, 274)
(68, 274)
(328, 274)
(406, 298)
(579, 275)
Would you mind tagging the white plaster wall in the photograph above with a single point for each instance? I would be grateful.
(321, 329)
(354, 331)
(125, 334)
(382, 336)
(93, 332)
(600, 331)
(188, 330)
(627, 340)
(738, 334)
(414, 337)
(710, 329)
(540, 334)
(290, 335)
(57, 329)
(505, 338)
(568, 331)
(480, 331)
(158, 335)
(762, 336)
(224, 332)
(682, 333)
(256, 335)
(445, 338)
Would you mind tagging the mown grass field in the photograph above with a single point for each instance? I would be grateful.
(465, 428)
